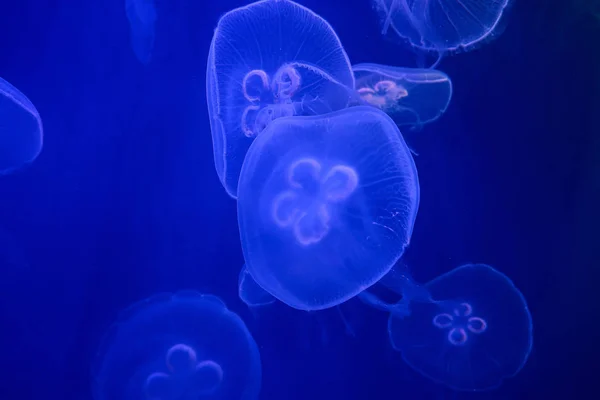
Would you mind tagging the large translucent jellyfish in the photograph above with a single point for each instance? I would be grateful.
(21, 133)
(270, 59)
(442, 25)
(179, 346)
(250, 292)
(410, 96)
(326, 205)
(468, 329)
(142, 26)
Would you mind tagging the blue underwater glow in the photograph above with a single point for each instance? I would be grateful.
(346, 157)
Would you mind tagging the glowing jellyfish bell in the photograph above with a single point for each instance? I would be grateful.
(178, 346)
(326, 205)
(410, 96)
(443, 25)
(256, 74)
(21, 133)
(468, 329)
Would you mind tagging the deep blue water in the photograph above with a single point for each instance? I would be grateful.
(124, 201)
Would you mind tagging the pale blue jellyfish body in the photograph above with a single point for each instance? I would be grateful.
(250, 292)
(142, 27)
(441, 25)
(21, 132)
(326, 205)
(179, 346)
(270, 59)
(411, 96)
(468, 329)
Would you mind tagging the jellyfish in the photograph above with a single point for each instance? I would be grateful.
(177, 347)
(410, 96)
(443, 25)
(268, 60)
(326, 205)
(21, 133)
(142, 24)
(250, 292)
(468, 329)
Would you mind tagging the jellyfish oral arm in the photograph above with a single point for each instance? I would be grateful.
(401, 282)
(371, 300)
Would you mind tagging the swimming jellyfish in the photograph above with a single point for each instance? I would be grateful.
(177, 347)
(410, 96)
(326, 205)
(142, 25)
(250, 292)
(269, 59)
(442, 25)
(468, 329)
(21, 133)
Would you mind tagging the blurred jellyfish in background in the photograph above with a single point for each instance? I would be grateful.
(443, 25)
(256, 74)
(142, 26)
(178, 346)
(21, 133)
(468, 329)
(410, 96)
(250, 292)
(326, 205)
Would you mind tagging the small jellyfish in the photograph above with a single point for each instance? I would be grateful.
(468, 329)
(442, 25)
(326, 205)
(250, 292)
(268, 60)
(142, 25)
(21, 133)
(410, 96)
(178, 347)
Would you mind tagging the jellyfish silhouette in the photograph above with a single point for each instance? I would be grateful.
(250, 292)
(177, 347)
(270, 59)
(468, 329)
(142, 26)
(326, 205)
(443, 25)
(410, 96)
(21, 133)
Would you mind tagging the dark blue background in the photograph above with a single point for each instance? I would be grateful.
(124, 201)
